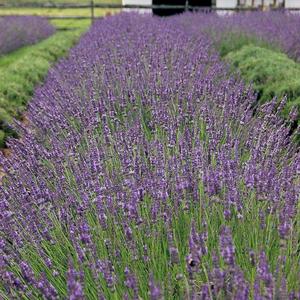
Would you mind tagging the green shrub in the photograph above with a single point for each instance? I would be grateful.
(272, 73)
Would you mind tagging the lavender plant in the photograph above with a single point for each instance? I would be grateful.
(19, 31)
(143, 174)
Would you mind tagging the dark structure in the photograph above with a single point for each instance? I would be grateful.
(169, 12)
(203, 3)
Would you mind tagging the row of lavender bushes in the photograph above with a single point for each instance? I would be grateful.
(279, 29)
(144, 175)
(19, 31)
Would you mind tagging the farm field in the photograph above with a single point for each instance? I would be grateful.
(99, 12)
(57, 12)
(159, 160)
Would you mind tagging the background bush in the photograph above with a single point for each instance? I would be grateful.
(272, 73)
(18, 31)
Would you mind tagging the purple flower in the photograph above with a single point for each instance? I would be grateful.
(27, 273)
(197, 249)
(155, 292)
(131, 282)
(47, 289)
(226, 246)
(75, 289)
(265, 277)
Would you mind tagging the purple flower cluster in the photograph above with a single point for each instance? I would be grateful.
(142, 157)
(19, 31)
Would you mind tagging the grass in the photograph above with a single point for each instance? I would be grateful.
(67, 24)
(25, 68)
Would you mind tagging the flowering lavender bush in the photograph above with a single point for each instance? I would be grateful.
(18, 31)
(144, 175)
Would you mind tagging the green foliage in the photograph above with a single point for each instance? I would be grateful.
(272, 73)
(23, 69)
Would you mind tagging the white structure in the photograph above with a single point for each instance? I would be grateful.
(248, 3)
(292, 3)
(226, 3)
(138, 2)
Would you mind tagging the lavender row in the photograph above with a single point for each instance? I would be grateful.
(19, 31)
(143, 173)
(280, 29)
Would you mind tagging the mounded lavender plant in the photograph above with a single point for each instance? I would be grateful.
(143, 173)
(19, 31)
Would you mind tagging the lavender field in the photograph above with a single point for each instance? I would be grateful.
(146, 172)
(19, 31)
